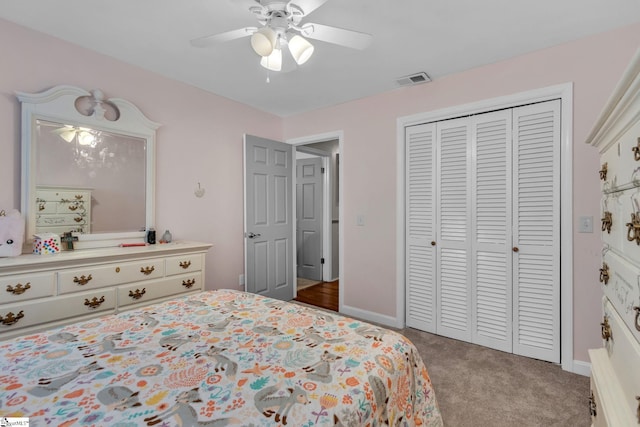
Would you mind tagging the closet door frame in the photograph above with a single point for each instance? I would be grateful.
(564, 92)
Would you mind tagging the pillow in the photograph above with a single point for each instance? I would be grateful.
(11, 233)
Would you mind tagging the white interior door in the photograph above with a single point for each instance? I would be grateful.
(453, 241)
(536, 231)
(491, 258)
(420, 251)
(268, 227)
(309, 218)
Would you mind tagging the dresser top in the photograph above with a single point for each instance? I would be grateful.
(90, 256)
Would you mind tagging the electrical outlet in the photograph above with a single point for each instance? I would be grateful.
(360, 220)
(586, 224)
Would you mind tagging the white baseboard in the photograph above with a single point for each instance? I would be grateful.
(370, 316)
(581, 368)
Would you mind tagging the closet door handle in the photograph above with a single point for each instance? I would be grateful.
(515, 249)
(433, 243)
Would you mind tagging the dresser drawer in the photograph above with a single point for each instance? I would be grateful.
(146, 292)
(622, 288)
(57, 220)
(26, 287)
(30, 313)
(107, 275)
(64, 195)
(623, 352)
(622, 167)
(183, 264)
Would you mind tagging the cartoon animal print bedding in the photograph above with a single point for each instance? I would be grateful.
(217, 358)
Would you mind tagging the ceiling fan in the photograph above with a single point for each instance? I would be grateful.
(282, 25)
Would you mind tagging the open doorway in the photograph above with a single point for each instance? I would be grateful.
(317, 223)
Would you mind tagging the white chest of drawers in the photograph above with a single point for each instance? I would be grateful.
(41, 291)
(615, 368)
(63, 209)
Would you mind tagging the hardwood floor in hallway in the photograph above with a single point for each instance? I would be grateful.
(324, 295)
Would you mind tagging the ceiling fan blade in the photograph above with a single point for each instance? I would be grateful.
(308, 6)
(335, 35)
(211, 40)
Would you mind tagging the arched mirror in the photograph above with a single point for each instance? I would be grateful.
(88, 167)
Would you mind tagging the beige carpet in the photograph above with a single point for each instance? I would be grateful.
(477, 386)
(306, 283)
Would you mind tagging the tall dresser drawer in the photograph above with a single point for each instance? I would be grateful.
(108, 275)
(623, 352)
(622, 161)
(184, 264)
(28, 286)
(143, 292)
(20, 315)
(624, 210)
(621, 284)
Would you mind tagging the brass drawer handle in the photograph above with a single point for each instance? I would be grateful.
(79, 196)
(184, 264)
(638, 410)
(607, 221)
(592, 405)
(138, 293)
(78, 219)
(19, 289)
(603, 172)
(82, 280)
(95, 302)
(72, 207)
(606, 329)
(41, 206)
(636, 151)
(11, 319)
(633, 228)
(147, 270)
(604, 274)
(637, 309)
(188, 283)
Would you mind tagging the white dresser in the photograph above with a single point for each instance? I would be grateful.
(41, 291)
(63, 209)
(615, 368)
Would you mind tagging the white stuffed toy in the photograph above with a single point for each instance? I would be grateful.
(11, 233)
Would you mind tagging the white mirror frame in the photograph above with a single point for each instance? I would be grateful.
(58, 105)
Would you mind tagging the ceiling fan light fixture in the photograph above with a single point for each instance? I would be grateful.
(272, 62)
(263, 41)
(300, 49)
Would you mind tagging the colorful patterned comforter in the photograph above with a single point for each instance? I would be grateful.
(217, 358)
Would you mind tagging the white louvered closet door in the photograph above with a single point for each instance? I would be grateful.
(491, 258)
(492, 210)
(536, 231)
(420, 227)
(453, 216)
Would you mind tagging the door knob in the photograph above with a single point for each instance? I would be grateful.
(252, 235)
(515, 249)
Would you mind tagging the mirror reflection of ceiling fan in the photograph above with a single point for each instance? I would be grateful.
(283, 24)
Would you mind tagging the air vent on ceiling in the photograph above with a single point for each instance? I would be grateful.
(413, 79)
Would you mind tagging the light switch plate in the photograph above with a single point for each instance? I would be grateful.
(586, 224)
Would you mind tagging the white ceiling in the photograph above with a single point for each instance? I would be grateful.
(439, 37)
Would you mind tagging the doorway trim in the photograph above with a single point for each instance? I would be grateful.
(326, 250)
(564, 92)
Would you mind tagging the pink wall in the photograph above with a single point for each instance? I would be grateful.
(200, 139)
(593, 64)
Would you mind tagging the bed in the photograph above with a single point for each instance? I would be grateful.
(217, 358)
